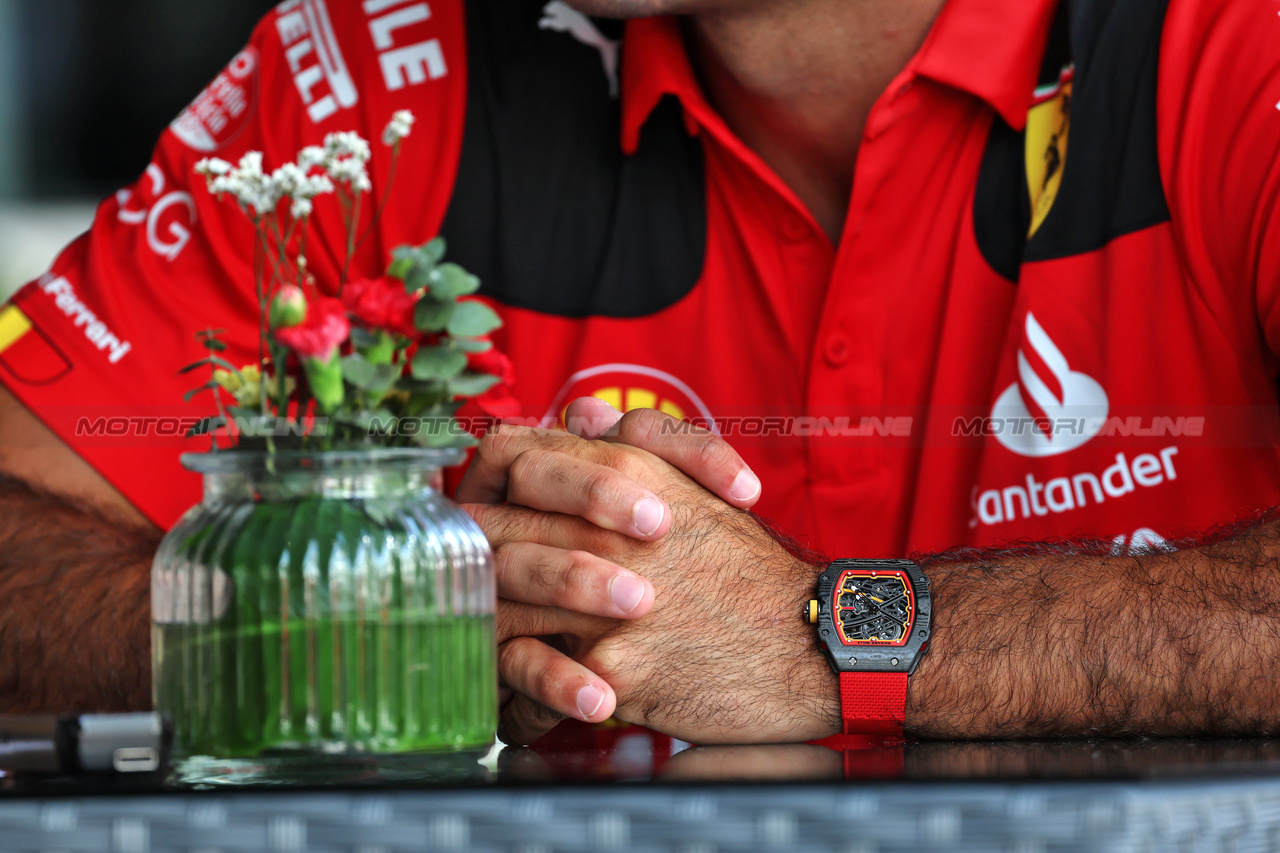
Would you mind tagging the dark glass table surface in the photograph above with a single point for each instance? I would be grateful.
(622, 787)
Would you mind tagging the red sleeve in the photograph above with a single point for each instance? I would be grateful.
(1219, 125)
(94, 346)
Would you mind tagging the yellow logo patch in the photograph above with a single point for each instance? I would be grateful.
(1048, 127)
(13, 325)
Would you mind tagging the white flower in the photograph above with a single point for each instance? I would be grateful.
(212, 167)
(312, 156)
(287, 179)
(251, 164)
(347, 145)
(350, 171)
(256, 192)
(400, 127)
(301, 208)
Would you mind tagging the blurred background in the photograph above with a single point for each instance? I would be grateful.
(86, 87)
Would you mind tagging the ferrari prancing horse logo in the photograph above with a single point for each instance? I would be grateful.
(1048, 126)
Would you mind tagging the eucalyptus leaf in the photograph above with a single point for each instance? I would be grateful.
(435, 250)
(471, 383)
(363, 339)
(374, 378)
(472, 319)
(438, 363)
(363, 420)
(473, 344)
(443, 432)
(449, 281)
(356, 370)
(400, 268)
(432, 315)
(418, 277)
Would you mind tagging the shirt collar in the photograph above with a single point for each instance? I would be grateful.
(989, 48)
(992, 49)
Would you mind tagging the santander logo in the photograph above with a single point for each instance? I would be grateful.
(1051, 409)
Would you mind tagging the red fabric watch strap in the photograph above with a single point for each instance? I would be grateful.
(873, 703)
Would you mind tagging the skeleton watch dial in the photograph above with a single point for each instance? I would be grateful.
(873, 608)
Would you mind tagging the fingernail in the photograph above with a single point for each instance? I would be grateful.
(648, 515)
(590, 698)
(746, 486)
(626, 592)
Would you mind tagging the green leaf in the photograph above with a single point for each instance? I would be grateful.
(418, 277)
(362, 420)
(434, 251)
(224, 364)
(438, 363)
(472, 319)
(473, 344)
(472, 384)
(432, 315)
(400, 268)
(449, 281)
(214, 360)
(194, 366)
(191, 395)
(374, 378)
(214, 345)
(363, 338)
(444, 432)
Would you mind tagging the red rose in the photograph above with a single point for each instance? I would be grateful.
(381, 303)
(320, 335)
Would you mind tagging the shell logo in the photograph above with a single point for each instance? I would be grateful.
(631, 386)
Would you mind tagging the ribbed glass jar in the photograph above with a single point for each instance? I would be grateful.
(325, 604)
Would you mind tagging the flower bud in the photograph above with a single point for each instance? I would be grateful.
(289, 308)
(325, 378)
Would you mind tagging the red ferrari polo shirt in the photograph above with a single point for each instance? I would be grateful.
(1052, 311)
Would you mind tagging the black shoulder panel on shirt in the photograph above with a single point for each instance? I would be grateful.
(546, 210)
(1111, 184)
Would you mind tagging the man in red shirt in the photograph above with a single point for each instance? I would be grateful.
(961, 273)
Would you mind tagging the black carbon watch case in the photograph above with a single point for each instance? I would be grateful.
(872, 615)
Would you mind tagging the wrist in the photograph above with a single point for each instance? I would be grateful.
(872, 621)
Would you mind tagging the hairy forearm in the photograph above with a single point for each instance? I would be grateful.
(1043, 642)
(74, 606)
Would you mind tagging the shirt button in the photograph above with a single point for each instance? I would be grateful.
(795, 228)
(837, 351)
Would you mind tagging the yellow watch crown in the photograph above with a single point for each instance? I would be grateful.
(813, 612)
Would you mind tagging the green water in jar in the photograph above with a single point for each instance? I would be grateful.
(324, 626)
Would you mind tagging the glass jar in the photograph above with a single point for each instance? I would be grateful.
(325, 604)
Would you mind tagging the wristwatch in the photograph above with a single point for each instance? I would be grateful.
(873, 626)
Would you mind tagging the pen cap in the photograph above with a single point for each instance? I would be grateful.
(126, 743)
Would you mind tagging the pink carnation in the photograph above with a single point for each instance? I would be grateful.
(324, 330)
(381, 303)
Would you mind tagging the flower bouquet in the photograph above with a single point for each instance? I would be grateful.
(324, 600)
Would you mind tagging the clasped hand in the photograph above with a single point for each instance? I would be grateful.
(633, 583)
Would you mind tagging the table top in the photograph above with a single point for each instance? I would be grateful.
(621, 787)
